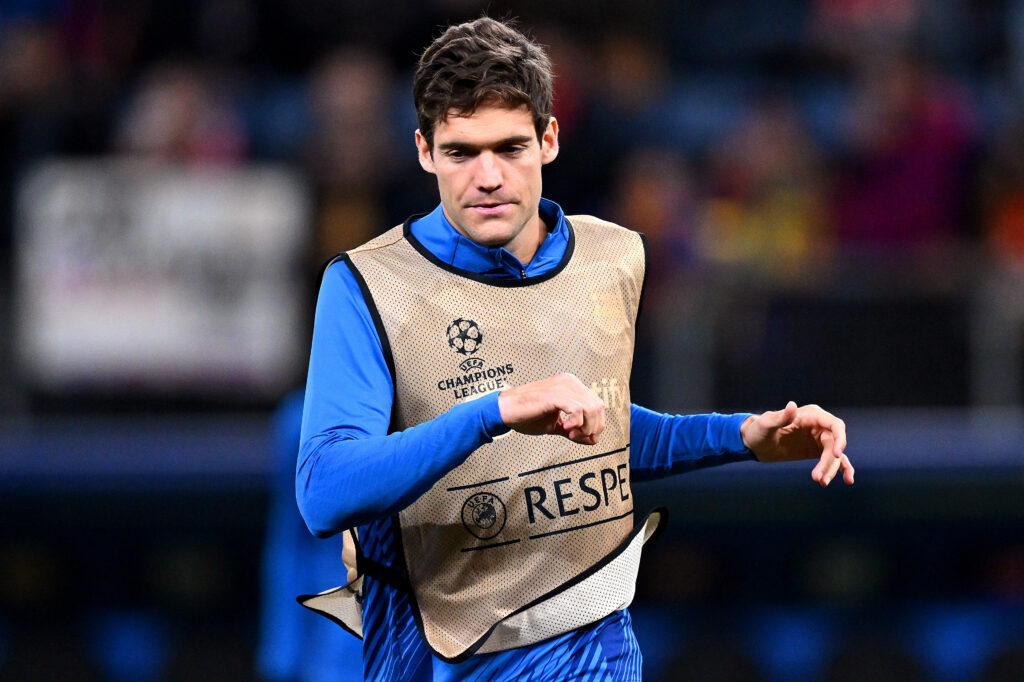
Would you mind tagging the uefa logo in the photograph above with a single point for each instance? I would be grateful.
(483, 515)
(464, 336)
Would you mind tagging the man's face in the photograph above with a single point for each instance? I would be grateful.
(488, 174)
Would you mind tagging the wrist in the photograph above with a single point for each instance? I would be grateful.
(745, 436)
(494, 420)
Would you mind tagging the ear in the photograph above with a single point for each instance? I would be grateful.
(549, 142)
(426, 159)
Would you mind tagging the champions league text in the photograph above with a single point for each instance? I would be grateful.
(473, 383)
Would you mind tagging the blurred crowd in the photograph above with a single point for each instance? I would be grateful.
(778, 137)
(822, 145)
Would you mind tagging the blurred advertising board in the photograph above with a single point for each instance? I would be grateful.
(157, 279)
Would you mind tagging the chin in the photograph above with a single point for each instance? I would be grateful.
(492, 241)
(491, 235)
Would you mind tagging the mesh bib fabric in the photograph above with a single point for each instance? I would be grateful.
(531, 536)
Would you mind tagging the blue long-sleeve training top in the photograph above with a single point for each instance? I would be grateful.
(352, 473)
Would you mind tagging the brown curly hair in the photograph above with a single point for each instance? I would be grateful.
(484, 61)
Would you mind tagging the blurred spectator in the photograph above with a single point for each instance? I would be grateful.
(629, 106)
(352, 149)
(1002, 197)
(655, 193)
(574, 75)
(574, 176)
(181, 113)
(909, 135)
(32, 64)
(997, 314)
(765, 209)
(33, 77)
(857, 27)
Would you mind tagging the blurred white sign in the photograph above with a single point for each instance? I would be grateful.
(160, 278)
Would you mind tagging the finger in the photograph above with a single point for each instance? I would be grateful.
(570, 416)
(576, 424)
(587, 422)
(587, 434)
(820, 422)
(848, 470)
(838, 429)
(780, 418)
(577, 436)
(587, 440)
(826, 442)
(599, 419)
(831, 467)
(593, 416)
(564, 420)
(818, 472)
(825, 470)
(828, 466)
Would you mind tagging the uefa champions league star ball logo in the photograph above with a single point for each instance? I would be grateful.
(464, 336)
(483, 515)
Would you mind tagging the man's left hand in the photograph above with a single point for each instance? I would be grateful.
(796, 433)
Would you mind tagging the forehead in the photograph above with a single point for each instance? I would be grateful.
(488, 123)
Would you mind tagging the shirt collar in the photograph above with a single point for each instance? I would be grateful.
(435, 233)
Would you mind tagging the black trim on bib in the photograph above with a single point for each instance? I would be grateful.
(374, 313)
(414, 605)
(323, 269)
(485, 279)
(643, 283)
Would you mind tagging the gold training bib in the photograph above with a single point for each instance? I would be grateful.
(532, 536)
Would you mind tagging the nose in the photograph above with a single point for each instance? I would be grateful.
(488, 172)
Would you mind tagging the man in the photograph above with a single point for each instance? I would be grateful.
(467, 401)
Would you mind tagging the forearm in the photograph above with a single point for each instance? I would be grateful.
(343, 481)
(664, 444)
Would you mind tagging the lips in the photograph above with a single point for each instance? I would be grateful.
(490, 208)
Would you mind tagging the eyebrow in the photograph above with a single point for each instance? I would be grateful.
(469, 147)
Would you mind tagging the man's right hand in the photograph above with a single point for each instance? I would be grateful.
(559, 405)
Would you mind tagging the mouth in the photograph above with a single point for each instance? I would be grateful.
(490, 208)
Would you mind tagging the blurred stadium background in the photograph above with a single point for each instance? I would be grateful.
(834, 190)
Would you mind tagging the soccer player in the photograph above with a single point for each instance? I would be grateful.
(467, 405)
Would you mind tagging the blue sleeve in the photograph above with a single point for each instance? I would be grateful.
(350, 470)
(665, 444)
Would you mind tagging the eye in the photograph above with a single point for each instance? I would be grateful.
(514, 149)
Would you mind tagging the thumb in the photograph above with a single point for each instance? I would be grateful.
(780, 418)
